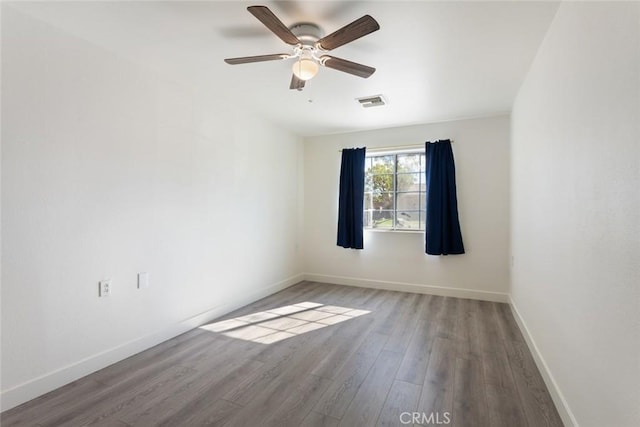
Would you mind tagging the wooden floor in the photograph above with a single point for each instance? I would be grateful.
(319, 355)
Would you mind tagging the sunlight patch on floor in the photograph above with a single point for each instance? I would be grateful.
(277, 324)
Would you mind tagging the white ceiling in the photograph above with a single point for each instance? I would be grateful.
(435, 60)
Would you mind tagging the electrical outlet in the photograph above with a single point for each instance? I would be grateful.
(143, 280)
(104, 288)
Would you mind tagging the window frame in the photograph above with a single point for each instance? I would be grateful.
(421, 192)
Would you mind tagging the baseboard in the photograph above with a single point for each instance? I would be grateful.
(409, 287)
(38, 386)
(558, 398)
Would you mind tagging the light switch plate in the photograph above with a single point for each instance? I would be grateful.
(143, 280)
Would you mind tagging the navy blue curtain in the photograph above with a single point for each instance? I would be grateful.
(442, 228)
(351, 202)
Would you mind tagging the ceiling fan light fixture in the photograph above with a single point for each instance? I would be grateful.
(308, 44)
(305, 69)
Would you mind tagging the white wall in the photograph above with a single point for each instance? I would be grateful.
(109, 170)
(575, 210)
(397, 260)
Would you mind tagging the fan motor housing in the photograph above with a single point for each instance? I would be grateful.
(307, 32)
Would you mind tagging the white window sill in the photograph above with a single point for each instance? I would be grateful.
(380, 230)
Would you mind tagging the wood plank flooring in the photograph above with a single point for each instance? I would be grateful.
(319, 355)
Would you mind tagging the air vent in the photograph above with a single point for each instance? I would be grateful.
(372, 101)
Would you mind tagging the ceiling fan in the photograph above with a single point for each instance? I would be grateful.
(309, 47)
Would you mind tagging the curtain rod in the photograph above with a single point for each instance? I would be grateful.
(399, 147)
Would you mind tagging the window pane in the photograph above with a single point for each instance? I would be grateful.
(423, 163)
(382, 163)
(409, 220)
(394, 191)
(408, 162)
(381, 183)
(409, 182)
(423, 216)
(379, 174)
(409, 201)
(368, 218)
(381, 201)
(380, 218)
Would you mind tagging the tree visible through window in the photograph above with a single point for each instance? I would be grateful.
(394, 197)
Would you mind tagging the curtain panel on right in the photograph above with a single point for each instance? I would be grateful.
(442, 228)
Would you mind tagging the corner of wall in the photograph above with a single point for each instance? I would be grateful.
(559, 400)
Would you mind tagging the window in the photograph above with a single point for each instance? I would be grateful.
(394, 197)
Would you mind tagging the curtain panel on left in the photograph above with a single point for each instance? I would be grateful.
(351, 201)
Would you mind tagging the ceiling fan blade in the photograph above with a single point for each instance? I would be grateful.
(347, 66)
(259, 58)
(350, 32)
(296, 83)
(272, 22)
